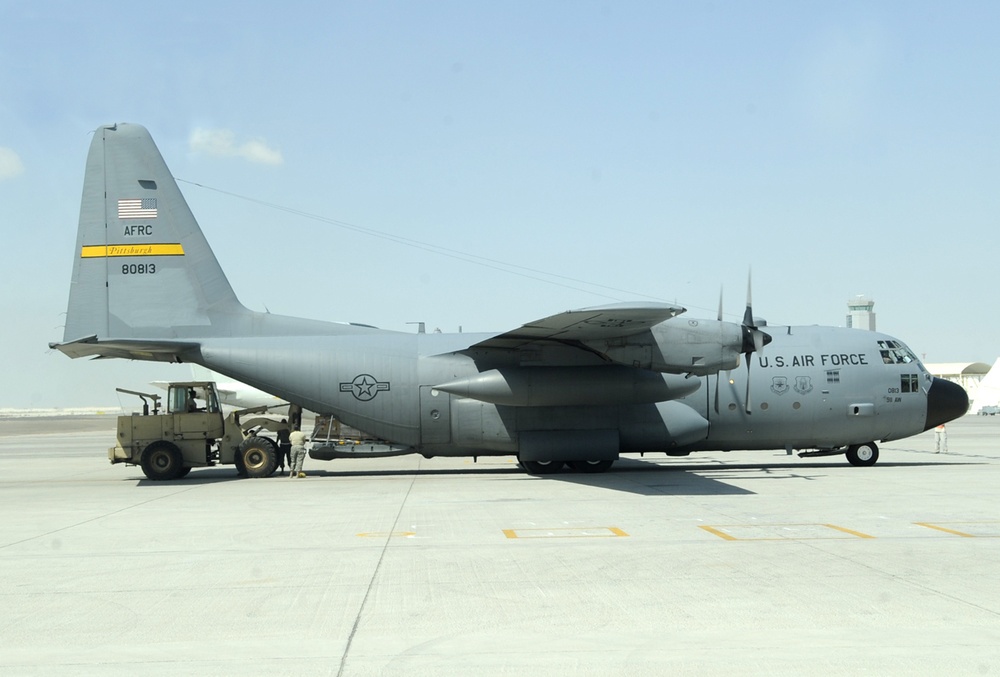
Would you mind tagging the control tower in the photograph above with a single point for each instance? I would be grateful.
(859, 313)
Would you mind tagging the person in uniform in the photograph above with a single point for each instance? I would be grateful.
(284, 448)
(298, 440)
(940, 439)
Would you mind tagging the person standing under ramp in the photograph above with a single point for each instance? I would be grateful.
(298, 440)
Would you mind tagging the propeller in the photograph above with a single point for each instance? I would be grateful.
(719, 318)
(754, 339)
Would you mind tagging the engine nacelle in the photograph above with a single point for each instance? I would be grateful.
(679, 345)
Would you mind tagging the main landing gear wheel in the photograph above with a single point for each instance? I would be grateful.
(162, 461)
(862, 454)
(257, 456)
(541, 467)
(590, 466)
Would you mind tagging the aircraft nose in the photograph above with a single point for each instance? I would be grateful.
(945, 401)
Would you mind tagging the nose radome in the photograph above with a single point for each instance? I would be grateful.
(945, 401)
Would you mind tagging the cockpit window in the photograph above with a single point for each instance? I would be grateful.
(894, 352)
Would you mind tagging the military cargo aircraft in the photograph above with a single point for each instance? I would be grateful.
(576, 389)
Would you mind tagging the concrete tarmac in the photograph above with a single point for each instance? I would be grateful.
(740, 563)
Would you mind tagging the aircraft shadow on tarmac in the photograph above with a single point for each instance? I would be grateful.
(629, 475)
(652, 479)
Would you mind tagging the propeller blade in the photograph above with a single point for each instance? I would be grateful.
(748, 313)
(748, 407)
(754, 339)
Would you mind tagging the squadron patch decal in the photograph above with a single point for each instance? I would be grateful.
(779, 385)
(803, 385)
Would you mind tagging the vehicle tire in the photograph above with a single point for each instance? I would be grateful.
(590, 466)
(258, 456)
(184, 471)
(862, 454)
(162, 461)
(274, 448)
(541, 467)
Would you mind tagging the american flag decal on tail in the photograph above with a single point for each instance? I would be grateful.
(137, 208)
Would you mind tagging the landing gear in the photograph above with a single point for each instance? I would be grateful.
(590, 466)
(541, 467)
(862, 454)
(549, 467)
(162, 461)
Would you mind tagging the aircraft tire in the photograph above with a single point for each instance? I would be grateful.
(258, 456)
(591, 466)
(862, 454)
(541, 467)
(162, 461)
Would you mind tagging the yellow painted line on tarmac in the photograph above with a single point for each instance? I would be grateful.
(565, 532)
(848, 531)
(944, 529)
(387, 534)
(797, 532)
(720, 534)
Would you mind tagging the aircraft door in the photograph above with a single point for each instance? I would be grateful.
(435, 416)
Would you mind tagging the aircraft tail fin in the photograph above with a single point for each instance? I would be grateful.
(142, 268)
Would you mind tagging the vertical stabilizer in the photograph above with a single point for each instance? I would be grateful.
(142, 268)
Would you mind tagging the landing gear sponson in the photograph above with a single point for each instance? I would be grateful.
(549, 467)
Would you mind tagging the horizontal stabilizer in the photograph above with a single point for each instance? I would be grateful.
(130, 349)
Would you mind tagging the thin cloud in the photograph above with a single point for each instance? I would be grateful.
(222, 143)
(10, 164)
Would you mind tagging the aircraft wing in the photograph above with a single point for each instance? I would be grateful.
(587, 324)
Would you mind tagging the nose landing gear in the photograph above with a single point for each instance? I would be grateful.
(862, 454)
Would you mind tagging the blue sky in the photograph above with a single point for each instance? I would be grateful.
(481, 165)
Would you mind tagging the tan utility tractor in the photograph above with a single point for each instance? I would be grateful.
(194, 432)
